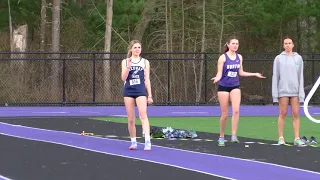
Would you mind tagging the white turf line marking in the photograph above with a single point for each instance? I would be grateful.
(118, 115)
(189, 112)
(4, 178)
(129, 157)
(178, 150)
(59, 112)
(44, 117)
(308, 98)
(89, 112)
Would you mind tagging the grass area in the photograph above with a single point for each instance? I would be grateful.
(251, 127)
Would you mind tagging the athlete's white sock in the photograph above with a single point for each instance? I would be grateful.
(146, 138)
(133, 139)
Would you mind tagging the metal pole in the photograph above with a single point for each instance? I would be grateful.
(94, 78)
(205, 77)
(64, 82)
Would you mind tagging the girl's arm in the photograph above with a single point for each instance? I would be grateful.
(301, 84)
(275, 80)
(221, 61)
(125, 70)
(147, 79)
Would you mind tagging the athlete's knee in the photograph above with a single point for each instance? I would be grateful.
(235, 112)
(224, 115)
(143, 116)
(283, 113)
(131, 120)
(295, 115)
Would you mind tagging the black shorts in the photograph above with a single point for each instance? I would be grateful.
(134, 96)
(227, 89)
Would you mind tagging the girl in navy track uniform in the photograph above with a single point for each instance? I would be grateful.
(137, 90)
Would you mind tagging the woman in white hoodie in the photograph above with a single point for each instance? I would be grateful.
(288, 86)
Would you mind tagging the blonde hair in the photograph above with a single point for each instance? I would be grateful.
(130, 47)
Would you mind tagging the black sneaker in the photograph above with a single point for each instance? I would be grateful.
(313, 140)
(304, 139)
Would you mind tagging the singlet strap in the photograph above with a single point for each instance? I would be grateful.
(145, 64)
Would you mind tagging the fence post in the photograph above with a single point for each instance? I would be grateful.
(205, 77)
(64, 81)
(169, 81)
(313, 73)
(94, 78)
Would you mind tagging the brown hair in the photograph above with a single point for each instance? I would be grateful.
(225, 47)
(130, 47)
(287, 37)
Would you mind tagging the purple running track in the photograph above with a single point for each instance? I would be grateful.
(204, 163)
(153, 111)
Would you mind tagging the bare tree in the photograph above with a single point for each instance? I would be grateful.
(222, 25)
(171, 26)
(172, 63)
(182, 26)
(56, 4)
(144, 21)
(19, 41)
(167, 27)
(167, 47)
(303, 30)
(182, 50)
(203, 43)
(107, 47)
(10, 23)
(18, 45)
(43, 24)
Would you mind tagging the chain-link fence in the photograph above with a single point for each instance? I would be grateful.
(91, 79)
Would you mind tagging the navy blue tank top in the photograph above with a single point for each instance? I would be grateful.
(230, 72)
(134, 85)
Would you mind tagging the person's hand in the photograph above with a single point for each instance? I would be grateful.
(215, 79)
(129, 63)
(259, 75)
(149, 100)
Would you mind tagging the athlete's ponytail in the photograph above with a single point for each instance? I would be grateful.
(225, 47)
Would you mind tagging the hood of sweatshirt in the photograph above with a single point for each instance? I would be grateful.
(293, 53)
